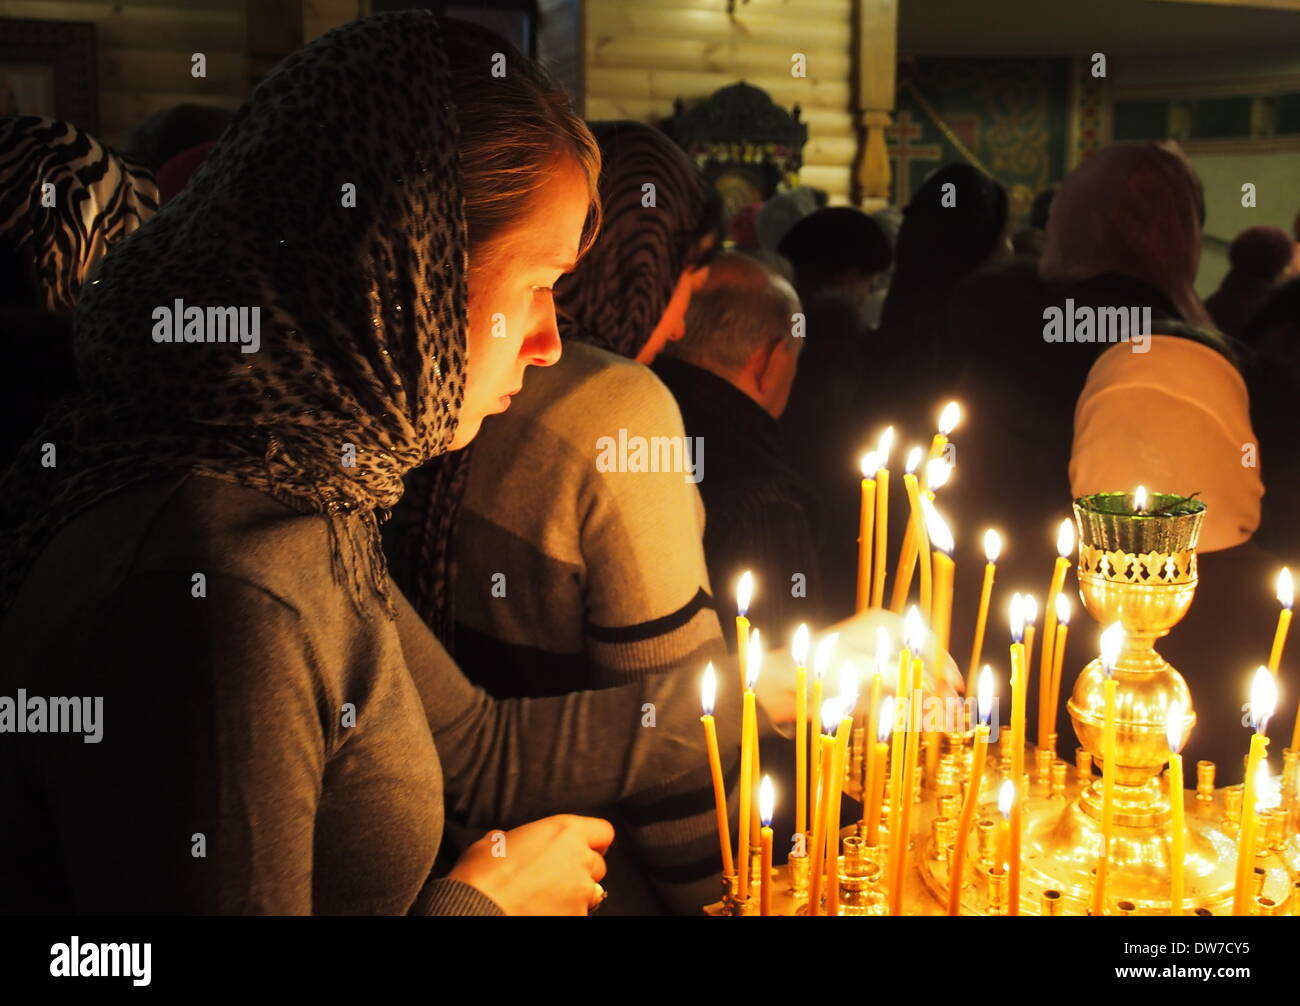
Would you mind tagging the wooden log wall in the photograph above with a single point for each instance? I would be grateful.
(642, 54)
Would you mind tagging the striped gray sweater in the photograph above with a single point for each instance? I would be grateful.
(569, 577)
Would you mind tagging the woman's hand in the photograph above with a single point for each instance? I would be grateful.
(547, 867)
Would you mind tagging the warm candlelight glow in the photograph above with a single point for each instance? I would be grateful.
(1062, 609)
(832, 712)
(754, 661)
(1065, 539)
(1112, 641)
(913, 459)
(766, 801)
(949, 418)
(937, 473)
(992, 545)
(709, 689)
(937, 527)
(885, 726)
(1006, 797)
(1263, 699)
(1268, 795)
(822, 656)
(1285, 589)
(1029, 605)
(1174, 726)
(884, 651)
(1017, 617)
(1140, 500)
(848, 686)
(799, 648)
(984, 695)
(913, 630)
(744, 592)
(883, 446)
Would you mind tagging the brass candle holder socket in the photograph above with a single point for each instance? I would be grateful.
(1205, 781)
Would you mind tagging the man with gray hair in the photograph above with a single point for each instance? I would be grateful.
(731, 374)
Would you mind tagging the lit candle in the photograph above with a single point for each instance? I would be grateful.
(883, 447)
(941, 537)
(1262, 800)
(1178, 836)
(708, 691)
(1112, 642)
(826, 741)
(1064, 546)
(866, 527)
(948, 420)
(967, 818)
(752, 665)
(766, 799)
(1058, 659)
(1031, 626)
(1286, 597)
(744, 594)
(992, 549)
(799, 649)
(848, 698)
(907, 557)
(913, 633)
(879, 751)
(1019, 675)
(821, 663)
(883, 647)
(1006, 806)
(747, 721)
(922, 549)
(1263, 699)
(909, 780)
(1140, 500)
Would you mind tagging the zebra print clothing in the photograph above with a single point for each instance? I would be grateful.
(65, 199)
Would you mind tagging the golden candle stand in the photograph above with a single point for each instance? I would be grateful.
(1138, 569)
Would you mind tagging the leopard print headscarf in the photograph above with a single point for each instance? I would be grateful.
(363, 309)
(95, 197)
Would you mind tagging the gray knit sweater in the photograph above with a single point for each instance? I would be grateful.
(265, 748)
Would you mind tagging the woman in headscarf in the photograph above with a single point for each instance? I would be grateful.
(1262, 258)
(64, 201)
(1170, 412)
(193, 542)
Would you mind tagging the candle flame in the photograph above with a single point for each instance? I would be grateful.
(1174, 726)
(936, 527)
(992, 545)
(913, 630)
(1268, 794)
(755, 660)
(799, 648)
(766, 801)
(949, 418)
(1017, 618)
(822, 655)
(884, 445)
(937, 473)
(1112, 641)
(913, 459)
(1140, 500)
(831, 714)
(1062, 609)
(1285, 589)
(984, 695)
(708, 689)
(1065, 538)
(1263, 699)
(1031, 609)
(1006, 797)
(744, 592)
(869, 464)
(885, 725)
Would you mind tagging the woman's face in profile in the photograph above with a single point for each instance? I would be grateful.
(511, 310)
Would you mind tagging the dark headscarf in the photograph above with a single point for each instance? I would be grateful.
(1132, 209)
(364, 309)
(55, 236)
(833, 241)
(938, 245)
(618, 293)
(1258, 256)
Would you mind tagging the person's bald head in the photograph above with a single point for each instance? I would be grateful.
(741, 326)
